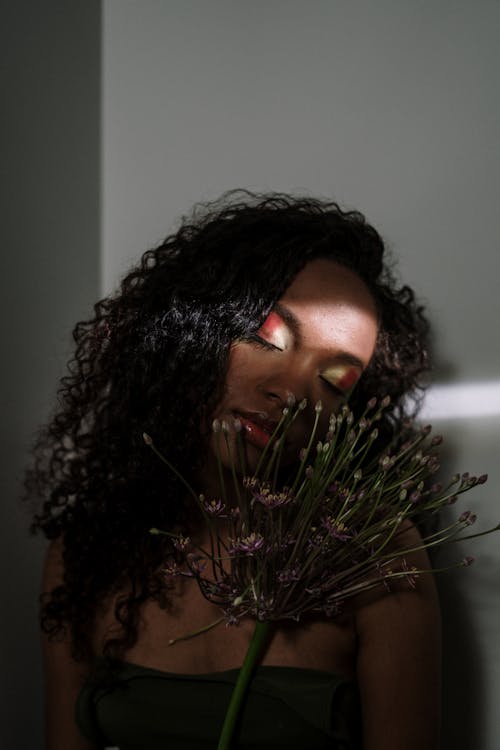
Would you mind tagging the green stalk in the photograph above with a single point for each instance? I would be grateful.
(255, 649)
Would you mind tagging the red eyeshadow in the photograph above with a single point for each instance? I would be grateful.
(271, 324)
(348, 379)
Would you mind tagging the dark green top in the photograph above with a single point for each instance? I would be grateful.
(136, 708)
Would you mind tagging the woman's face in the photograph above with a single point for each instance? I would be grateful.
(315, 345)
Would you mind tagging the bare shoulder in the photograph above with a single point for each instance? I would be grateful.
(64, 676)
(399, 660)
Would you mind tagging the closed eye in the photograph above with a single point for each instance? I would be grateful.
(342, 378)
(263, 344)
(275, 331)
(333, 388)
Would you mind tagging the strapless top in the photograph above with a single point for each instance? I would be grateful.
(138, 708)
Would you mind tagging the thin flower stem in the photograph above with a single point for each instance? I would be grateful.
(204, 629)
(149, 441)
(283, 422)
(300, 470)
(236, 482)
(255, 650)
(220, 468)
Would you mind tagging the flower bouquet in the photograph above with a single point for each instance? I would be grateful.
(309, 539)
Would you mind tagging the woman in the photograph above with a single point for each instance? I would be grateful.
(258, 300)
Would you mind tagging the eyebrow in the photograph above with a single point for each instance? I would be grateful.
(293, 322)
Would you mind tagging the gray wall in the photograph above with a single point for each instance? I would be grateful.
(49, 277)
(391, 107)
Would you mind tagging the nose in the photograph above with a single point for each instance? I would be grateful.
(295, 380)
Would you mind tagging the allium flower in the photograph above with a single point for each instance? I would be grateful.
(308, 539)
(214, 507)
(263, 494)
(247, 545)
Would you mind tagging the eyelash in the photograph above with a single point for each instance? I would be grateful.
(255, 339)
(334, 388)
(263, 344)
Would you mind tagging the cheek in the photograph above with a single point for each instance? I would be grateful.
(242, 368)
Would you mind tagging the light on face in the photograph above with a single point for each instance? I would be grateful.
(275, 331)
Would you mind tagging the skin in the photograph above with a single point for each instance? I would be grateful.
(314, 345)
(317, 342)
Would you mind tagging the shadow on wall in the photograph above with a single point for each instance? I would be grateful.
(464, 690)
(465, 595)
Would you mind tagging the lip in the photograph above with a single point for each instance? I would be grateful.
(258, 429)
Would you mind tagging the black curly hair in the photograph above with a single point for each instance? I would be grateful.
(153, 359)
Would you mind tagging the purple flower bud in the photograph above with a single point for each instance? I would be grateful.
(372, 403)
(303, 454)
(433, 466)
(482, 479)
(436, 488)
(385, 462)
(289, 575)
(147, 438)
(385, 402)
(196, 563)
(309, 472)
(467, 517)
(467, 561)
(437, 440)
(452, 499)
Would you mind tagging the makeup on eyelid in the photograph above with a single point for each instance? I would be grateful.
(343, 377)
(275, 331)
